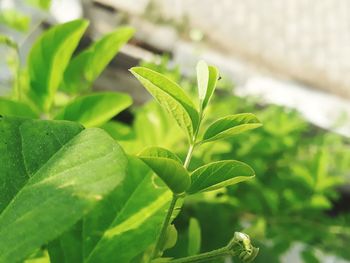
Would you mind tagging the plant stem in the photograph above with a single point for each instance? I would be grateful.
(189, 156)
(214, 254)
(193, 144)
(166, 222)
(161, 238)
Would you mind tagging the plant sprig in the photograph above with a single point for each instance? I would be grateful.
(175, 173)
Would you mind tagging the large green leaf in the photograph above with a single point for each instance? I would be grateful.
(219, 174)
(95, 109)
(168, 167)
(120, 227)
(207, 77)
(229, 126)
(15, 108)
(51, 174)
(84, 69)
(49, 58)
(171, 97)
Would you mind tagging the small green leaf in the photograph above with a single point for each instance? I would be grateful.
(14, 19)
(171, 97)
(168, 167)
(7, 41)
(84, 69)
(219, 174)
(231, 125)
(49, 58)
(15, 108)
(213, 78)
(194, 237)
(202, 79)
(207, 77)
(171, 238)
(52, 173)
(95, 109)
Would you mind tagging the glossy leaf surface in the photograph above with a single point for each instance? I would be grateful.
(219, 174)
(229, 126)
(171, 97)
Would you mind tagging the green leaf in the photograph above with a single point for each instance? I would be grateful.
(171, 238)
(14, 19)
(219, 174)
(207, 77)
(121, 226)
(7, 41)
(168, 167)
(49, 58)
(213, 78)
(229, 126)
(171, 97)
(15, 108)
(194, 237)
(95, 109)
(51, 174)
(42, 4)
(84, 69)
(202, 79)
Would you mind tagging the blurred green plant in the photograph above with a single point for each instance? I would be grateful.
(56, 85)
(15, 19)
